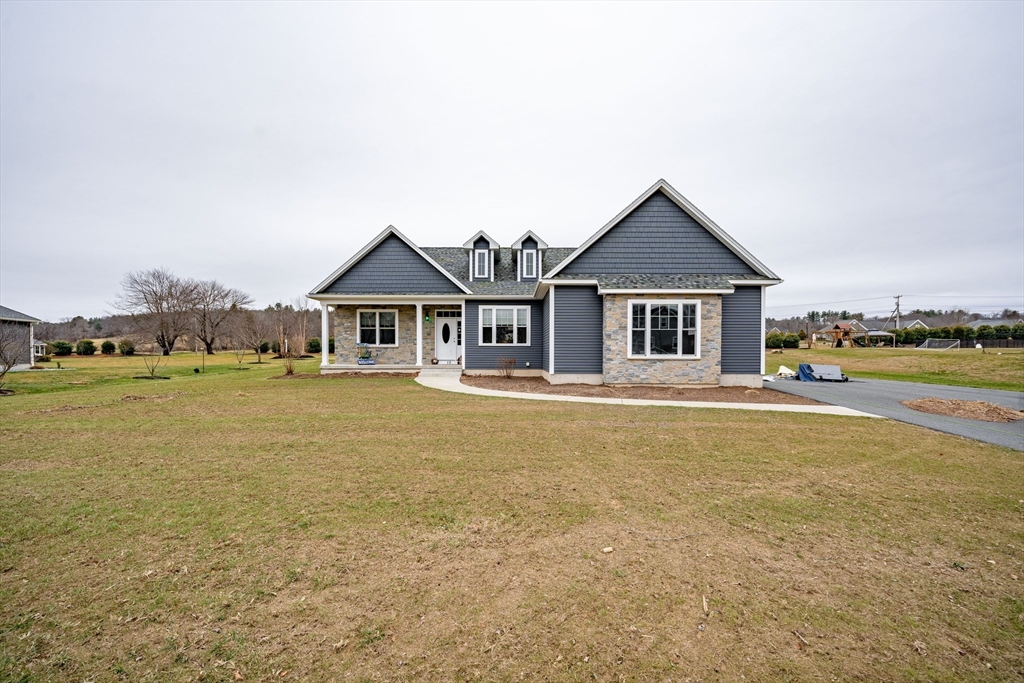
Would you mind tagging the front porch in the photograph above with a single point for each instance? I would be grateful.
(397, 334)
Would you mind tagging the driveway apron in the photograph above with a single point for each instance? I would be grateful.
(882, 397)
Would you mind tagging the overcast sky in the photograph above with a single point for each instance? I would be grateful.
(860, 150)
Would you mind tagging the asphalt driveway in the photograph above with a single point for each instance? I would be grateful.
(882, 397)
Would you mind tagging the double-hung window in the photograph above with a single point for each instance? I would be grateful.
(500, 326)
(529, 263)
(481, 258)
(664, 329)
(378, 328)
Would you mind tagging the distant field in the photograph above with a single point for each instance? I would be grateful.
(228, 526)
(994, 369)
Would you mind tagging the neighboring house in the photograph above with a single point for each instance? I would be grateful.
(39, 348)
(847, 325)
(891, 324)
(16, 330)
(659, 295)
(774, 330)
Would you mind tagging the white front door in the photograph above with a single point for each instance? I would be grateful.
(448, 342)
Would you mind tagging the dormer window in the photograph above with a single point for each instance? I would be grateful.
(481, 257)
(529, 263)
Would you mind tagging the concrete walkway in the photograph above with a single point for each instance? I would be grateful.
(882, 397)
(449, 381)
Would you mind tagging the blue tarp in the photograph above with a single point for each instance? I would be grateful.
(803, 373)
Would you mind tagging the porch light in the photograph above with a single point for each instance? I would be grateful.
(426, 317)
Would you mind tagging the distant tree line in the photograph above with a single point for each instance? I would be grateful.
(159, 310)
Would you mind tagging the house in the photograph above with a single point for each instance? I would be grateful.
(891, 324)
(774, 330)
(17, 343)
(659, 295)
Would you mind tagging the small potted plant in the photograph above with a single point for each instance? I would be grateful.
(363, 355)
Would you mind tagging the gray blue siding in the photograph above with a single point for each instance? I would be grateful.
(579, 330)
(486, 357)
(658, 238)
(742, 332)
(546, 340)
(392, 267)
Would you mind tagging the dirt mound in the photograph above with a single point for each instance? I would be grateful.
(971, 410)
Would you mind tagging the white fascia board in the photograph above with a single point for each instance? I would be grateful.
(493, 243)
(369, 299)
(695, 213)
(755, 283)
(390, 230)
(665, 291)
(518, 244)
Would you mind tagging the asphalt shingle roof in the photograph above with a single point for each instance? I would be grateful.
(11, 314)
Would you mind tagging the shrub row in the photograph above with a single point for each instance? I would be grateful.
(782, 341)
(961, 332)
(313, 345)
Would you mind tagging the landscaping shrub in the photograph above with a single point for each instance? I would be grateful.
(1002, 331)
(108, 347)
(42, 359)
(62, 348)
(126, 348)
(773, 341)
(986, 332)
(791, 341)
(1017, 331)
(85, 347)
(276, 348)
(263, 347)
(330, 344)
(313, 345)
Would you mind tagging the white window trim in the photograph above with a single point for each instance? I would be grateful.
(359, 329)
(647, 329)
(476, 263)
(527, 274)
(519, 310)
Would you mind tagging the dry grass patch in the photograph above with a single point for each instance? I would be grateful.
(373, 529)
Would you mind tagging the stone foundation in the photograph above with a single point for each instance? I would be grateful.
(619, 369)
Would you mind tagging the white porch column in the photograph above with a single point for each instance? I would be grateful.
(419, 334)
(325, 342)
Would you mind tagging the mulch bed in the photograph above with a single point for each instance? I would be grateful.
(538, 385)
(346, 375)
(971, 410)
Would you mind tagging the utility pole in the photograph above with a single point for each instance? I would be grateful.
(898, 297)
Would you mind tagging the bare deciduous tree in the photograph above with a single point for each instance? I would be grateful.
(161, 305)
(214, 304)
(250, 330)
(13, 339)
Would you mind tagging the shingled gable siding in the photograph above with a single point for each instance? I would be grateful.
(392, 267)
(658, 238)
(578, 331)
(742, 332)
(486, 357)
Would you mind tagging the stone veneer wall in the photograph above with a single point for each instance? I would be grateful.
(618, 369)
(345, 336)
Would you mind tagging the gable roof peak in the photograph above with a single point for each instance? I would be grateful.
(387, 232)
(683, 203)
(518, 244)
(492, 243)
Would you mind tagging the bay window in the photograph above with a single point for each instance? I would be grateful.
(378, 328)
(504, 326)
(664, 329)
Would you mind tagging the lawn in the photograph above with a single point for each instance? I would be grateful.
(231, 526)
(994, 369)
